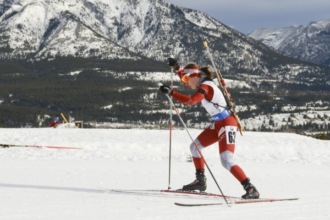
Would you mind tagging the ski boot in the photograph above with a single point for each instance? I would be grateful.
(251, 191)
(198, 184)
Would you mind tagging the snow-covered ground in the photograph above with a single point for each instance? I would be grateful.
(76, 184)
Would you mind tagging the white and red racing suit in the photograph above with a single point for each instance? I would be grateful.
(223, 130)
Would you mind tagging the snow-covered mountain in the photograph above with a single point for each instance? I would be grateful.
(132, 29)
(275, 37)
(36, 31)
(93, 27)
(309, 43)
(60, 27)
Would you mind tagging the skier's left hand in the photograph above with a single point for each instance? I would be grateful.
(165, 89)
(172, 62)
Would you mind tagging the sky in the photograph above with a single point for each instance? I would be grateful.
(248, 15)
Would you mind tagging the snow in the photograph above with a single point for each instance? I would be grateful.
(274, 37)
(76, 184)
(17, 7)
(107, 107)
(321, 24)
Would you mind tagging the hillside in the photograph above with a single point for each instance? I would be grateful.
(96, 60)
(131, 29)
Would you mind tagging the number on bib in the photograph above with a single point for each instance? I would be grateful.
(231, 134)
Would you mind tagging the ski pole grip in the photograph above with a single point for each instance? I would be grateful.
(205, 44)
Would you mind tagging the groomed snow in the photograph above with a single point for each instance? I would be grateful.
(75, 184)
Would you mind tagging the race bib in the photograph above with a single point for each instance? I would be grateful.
(231, 134)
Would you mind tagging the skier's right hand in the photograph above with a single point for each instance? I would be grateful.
(165, 89)
(172, 62)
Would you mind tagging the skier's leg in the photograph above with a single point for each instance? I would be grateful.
(206, 138)
(227, 136)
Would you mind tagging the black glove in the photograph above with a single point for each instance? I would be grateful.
(165, 89)
(172, 62)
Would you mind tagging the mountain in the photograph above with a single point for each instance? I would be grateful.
(129, 29)
(310, 43)
(41, 29)
(101, 60)
(274, 37)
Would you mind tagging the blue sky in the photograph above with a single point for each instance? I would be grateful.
(247, 15)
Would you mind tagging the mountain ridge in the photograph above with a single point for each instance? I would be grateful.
(131, 30)
(309, 43)
(98, 54)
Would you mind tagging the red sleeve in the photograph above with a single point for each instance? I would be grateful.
(194, 99)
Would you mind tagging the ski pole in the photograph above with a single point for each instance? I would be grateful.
(224, 89)
(198, 150)
(64, 118)
(170, 138)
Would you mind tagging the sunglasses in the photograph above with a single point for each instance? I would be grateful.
(185, 79)
(189, 73)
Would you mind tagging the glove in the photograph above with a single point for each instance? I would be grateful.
(165, 89)
(172, 62)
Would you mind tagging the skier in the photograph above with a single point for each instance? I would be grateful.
(223, 129)
(56, 122)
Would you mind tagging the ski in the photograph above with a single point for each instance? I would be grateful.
(237, 201)
(244, 201)
(39, 146)
(197, 193)
(168, 193)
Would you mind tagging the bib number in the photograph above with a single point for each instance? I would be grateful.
(231, 134)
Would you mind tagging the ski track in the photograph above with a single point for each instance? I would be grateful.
(77, 184)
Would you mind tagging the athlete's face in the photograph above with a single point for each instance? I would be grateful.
(193, 82)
